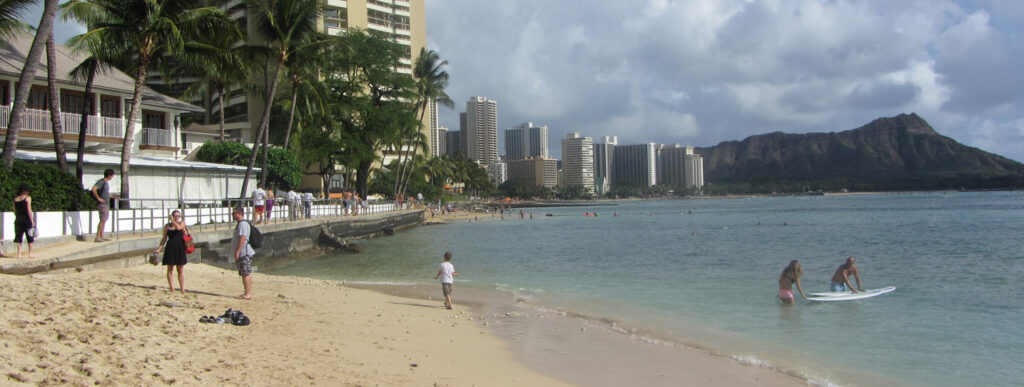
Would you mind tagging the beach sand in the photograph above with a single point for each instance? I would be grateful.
(109, 327)
(124, 327)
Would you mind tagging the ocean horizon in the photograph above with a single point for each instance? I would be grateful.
(704, 274)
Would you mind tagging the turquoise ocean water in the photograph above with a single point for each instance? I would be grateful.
(705, 273)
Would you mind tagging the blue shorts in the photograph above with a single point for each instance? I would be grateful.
(838, 287)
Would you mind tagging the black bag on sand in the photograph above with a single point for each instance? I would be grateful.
(236, 317)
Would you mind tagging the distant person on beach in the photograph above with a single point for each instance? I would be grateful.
(790, 276)
(243, 252)
(270, 204)
(173, 244)
(447, 275)
(101, 192)
(307, 204)
(346, 201)
(841, 279)
(259, 201)
(24, 219)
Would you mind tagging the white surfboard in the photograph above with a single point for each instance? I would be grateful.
(849, 296)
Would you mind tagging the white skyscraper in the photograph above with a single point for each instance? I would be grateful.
(481, 131)
(578, 161)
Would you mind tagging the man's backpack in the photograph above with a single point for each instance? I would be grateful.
(255, 236)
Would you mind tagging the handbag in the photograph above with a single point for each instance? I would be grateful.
(32, 232)
(154, 258)
(190, 246)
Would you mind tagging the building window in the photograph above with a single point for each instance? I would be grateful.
(110, 106)
(38, 98)
(74, 102)
(153, 120)
(5, 92)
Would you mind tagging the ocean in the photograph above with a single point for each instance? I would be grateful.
(704, 274)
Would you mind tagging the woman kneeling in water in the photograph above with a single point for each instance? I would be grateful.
(790, 275)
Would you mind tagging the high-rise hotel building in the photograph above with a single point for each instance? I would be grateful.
(636, 165)
(403, 20)
(526, 141)
(578, 161)
(604, 158)
(679, 166)
(480, 130)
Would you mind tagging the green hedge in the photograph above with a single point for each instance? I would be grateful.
(284, 168)
(52, 188)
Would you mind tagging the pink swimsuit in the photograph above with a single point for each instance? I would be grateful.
(785, 293)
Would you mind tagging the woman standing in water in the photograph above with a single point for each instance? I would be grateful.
(790, 275)
(174, 249)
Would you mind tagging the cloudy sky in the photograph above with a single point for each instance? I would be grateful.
(698, 72)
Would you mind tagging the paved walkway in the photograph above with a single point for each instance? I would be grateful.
(50, 251)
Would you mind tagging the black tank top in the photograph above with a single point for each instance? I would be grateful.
(21, 210)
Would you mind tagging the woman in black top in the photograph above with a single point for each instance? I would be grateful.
(174, 249)
(23, 219)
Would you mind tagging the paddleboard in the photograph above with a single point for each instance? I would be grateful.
(849, 296)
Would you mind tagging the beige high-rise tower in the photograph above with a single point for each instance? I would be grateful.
(481, 130)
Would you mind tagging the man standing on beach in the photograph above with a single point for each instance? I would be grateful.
(841, 279)
(101, 192)
(243, 252)
(447, 275)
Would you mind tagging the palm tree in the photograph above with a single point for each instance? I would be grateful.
(10, 17)
(141, 34)
(88, 70)
(27, 72)
(55, 121)
(287, 27)
(303, 69)
(219, 65)
(431, 80)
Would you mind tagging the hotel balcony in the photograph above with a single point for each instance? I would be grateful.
(36, 130)
(158, 139)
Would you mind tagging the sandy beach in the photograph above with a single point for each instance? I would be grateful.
(114, 327)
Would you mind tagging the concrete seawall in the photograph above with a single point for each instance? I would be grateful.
(282, 242)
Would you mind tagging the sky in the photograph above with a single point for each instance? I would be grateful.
(699, 72)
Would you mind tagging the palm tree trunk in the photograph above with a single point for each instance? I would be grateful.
(129, 130)
(404, 184)
(83, 127)
(25, 82)
(266, 151)
(264, 122)
(220, 100)
(55, 121)
(291, 115)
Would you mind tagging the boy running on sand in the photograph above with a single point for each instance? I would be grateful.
(447, 275)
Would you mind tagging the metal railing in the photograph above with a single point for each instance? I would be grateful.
(150, 215)
(36, 120)
(159, 137)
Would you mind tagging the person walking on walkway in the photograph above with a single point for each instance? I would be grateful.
(101, 192)
(173, 244)
(24, 219)
(307, 204)
(259, 197)
(243, 251)
(271, 198)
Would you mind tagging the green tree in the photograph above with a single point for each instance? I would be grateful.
(431, 80)
(218, 62)
(283, 168)
(139, 35)
(286, 27)
(10, 17)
